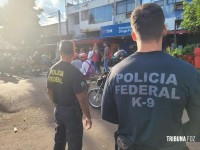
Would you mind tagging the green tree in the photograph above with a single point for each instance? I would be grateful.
(21, 22)
(191, 16)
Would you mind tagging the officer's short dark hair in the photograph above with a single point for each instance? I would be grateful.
(66, 48)
(148, 20)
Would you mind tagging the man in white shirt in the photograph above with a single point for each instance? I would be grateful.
(90, 54)
(86, 63)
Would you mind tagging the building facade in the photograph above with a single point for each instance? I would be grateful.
(96, 21)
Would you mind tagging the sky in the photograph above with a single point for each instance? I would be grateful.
(49, 7)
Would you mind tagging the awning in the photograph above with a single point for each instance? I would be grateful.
(177, 32)
(87, 41)
(123, 29)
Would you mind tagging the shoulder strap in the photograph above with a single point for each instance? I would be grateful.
(88, 64)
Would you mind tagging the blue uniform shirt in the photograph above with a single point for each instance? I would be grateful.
(146, 94)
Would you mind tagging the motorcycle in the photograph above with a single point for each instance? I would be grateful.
(36, 70)
(95, 94)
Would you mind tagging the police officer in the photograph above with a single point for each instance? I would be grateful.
(147, 92)
(67, 88)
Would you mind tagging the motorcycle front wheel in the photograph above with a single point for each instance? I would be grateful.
(95, 96)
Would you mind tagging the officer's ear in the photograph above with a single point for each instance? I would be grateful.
(134, 36)
(164, 32)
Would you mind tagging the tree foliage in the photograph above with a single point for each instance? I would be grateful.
(21, 22)
(191, 16)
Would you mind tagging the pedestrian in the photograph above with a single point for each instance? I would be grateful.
(87, 68)
(147, 92)
(105, 57)
(95, 60)
(76, 61)
(90, 54)
(67, 88)
(81, 50)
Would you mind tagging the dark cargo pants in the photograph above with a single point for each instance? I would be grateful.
(69, 129)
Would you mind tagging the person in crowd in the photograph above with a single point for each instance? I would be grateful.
(76, 61)
(85, 65)
(29, 61)
(81, 51)
(90, 54)
(95, 60)
(67, 89)
(45, 62)
(37, 59)
(105, 57)
(147, 92)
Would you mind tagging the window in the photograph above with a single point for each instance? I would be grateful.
(100, 14)
(145, 1)
(170, 1)
(178, 6)
(84, 15)
(75, 18)
(159, 2)
(125, 6)
(121, 7)
(130, 5)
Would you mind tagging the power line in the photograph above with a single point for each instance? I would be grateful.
(48, 15)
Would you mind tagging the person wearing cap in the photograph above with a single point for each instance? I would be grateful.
(67, 89)
(147, 92)
(85, 65)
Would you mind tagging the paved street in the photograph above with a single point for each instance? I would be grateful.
(25, 105)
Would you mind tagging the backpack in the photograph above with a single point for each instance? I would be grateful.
(91, 70)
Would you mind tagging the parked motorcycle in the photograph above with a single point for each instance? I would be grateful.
(36, 70)
(95, 94)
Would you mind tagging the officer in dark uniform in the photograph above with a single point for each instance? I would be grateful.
(147, 92)
(67, 88)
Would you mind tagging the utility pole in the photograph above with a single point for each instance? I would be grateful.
(59, 23)
(175, 26)
(66, 16)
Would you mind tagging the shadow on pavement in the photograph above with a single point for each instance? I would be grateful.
(13, 79)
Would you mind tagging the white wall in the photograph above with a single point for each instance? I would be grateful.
(77, 30)
(170, 23)
(85, 27)
(63, 28)
(121, 19)
(71, 24)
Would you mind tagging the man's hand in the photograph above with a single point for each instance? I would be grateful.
(83, 101)
(50, 92)
(88, 123)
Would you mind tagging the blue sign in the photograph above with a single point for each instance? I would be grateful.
(123, 29)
